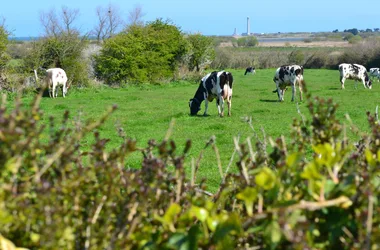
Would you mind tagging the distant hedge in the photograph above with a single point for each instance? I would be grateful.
(315, 190)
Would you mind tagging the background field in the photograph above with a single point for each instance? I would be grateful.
(145, 112)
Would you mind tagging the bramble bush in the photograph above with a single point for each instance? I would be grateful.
(316, 190)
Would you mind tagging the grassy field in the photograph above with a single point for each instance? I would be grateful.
(145, 113)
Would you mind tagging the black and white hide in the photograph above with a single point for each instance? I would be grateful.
(355, 72)
(215, 85)
(288, 75)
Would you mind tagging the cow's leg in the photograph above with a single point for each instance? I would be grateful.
(206, 107)
(281, 93)
(220, 105)
(300, 89)
(63, 91)
(50, 91)
(363, 81)
(229, 104)
(53, 92)
(280, 97)
(293, 91)
(342, 79)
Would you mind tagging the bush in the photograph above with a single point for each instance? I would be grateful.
(248, 41)
(296, 57)
(355, 39)
(366, 53)
(148, 53)
(307, 40)
(317, 190)
(4, 57)
(201, 52)
(65, 50)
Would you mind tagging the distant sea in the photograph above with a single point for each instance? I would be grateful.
(23, 38)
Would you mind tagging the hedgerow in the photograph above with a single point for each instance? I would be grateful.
(315, 190)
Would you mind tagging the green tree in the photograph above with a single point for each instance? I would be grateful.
(3, 47)
(62, 46)
(201, 51)
(141, 53)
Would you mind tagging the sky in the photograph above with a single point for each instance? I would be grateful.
(209, 17)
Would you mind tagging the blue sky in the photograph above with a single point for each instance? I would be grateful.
(210, 17)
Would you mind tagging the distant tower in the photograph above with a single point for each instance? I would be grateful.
(248, 33)
(235, 33)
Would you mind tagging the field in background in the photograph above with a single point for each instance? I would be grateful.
(145, 113)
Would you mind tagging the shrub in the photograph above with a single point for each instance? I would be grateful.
(4, 57)
(63, 51)
(201, 52)
(248, 41)
(296, 57)
(355, 39)
(307, 40)
(148, 53)
(348, 36)
(366, 53)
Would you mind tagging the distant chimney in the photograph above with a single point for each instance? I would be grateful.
(248, 32)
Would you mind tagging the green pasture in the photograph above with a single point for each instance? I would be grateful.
(145, 113)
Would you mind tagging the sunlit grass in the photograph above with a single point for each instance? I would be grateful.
(146, 112)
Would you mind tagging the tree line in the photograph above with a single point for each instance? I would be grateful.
(130, 51)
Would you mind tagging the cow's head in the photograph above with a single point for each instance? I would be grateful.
(194, 106)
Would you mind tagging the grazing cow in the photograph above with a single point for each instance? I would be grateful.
(216, 85)
(355, 72)
(374, 72)
(250, 70)
(288, 75)
(55, 78)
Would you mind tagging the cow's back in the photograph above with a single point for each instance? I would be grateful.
(287, 73)
(352, 71)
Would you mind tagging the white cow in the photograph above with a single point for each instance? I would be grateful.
(288, 75)
(55, 78)
(375, 73)
(355, 72)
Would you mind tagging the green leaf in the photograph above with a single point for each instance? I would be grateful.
(371, 158)
(231, 226)
(311, 172)
(273, 233)
(171, 213)
(200, 213)
(292, 159)
(249, 196)
(266, 179)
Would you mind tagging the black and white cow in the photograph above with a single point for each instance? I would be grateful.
(288, 75)
(216, 85)
(375, 73)
(355, 72)
(250, 70)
